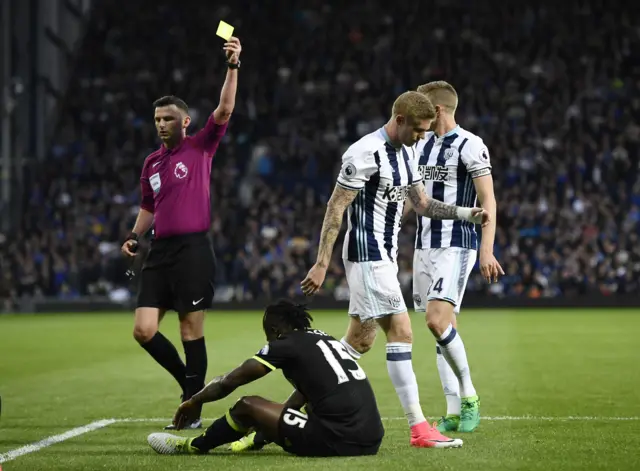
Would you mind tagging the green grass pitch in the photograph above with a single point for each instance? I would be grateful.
(559, 391)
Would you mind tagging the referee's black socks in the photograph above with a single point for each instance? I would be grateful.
(163, 351)
(195, 352)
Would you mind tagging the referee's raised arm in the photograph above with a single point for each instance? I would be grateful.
(228, 94)
(179, 271)
(209, 137)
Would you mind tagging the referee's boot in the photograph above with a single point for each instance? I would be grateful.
(192, 424)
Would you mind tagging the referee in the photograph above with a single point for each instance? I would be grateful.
(178, 273)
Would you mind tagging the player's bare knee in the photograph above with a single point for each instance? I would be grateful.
(361, 344)
(366, 345)
(438, 316)
(361, 336)
(398, 328)
(245, 405)
(401, 335)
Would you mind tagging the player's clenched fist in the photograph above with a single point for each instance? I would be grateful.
(312, 283)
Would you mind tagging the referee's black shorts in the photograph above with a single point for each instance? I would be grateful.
(178, 274)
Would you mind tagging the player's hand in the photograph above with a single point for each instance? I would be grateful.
(232, 49)
(185, 412)
(480, 216)
(312, 283)
(129, 248)
(489, 267)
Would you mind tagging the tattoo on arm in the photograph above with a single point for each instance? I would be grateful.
(418, 198)
(430, 207)
(340, 199)
(438, 210)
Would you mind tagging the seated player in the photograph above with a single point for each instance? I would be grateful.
(341, 419)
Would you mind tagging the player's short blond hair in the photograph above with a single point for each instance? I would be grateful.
(441, 93)
(414, 106)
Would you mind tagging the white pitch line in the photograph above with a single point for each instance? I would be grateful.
(37, 446)
(496, 418)
(33, 447)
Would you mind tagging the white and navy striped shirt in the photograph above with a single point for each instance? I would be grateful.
(383, 176)
(448, 164)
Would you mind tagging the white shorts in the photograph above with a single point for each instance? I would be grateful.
(374, 289)
(441, 274)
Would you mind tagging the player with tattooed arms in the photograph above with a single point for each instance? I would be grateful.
(378, 173)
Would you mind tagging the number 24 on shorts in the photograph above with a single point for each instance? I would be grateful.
(437, 287)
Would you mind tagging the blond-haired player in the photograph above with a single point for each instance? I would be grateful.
(378, 173)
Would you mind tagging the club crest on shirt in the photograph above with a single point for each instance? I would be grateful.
(449, 153)
(181, 170)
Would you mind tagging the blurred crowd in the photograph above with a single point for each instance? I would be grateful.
(553, 89)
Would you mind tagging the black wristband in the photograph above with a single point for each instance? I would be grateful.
(132, 236)
(233, 66)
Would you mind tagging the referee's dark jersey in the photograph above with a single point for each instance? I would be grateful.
(179, 271)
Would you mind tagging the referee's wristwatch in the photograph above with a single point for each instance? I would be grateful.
(233, 65)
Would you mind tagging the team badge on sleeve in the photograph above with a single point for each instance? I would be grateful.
(349, 170)
(481, 160)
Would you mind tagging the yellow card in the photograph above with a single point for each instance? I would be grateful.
(225, 30)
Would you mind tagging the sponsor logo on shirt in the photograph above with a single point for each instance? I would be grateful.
(396, 193)
(433, 173)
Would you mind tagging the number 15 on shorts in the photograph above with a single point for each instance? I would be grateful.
(295, 418)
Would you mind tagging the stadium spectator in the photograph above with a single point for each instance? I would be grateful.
(556, 95)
